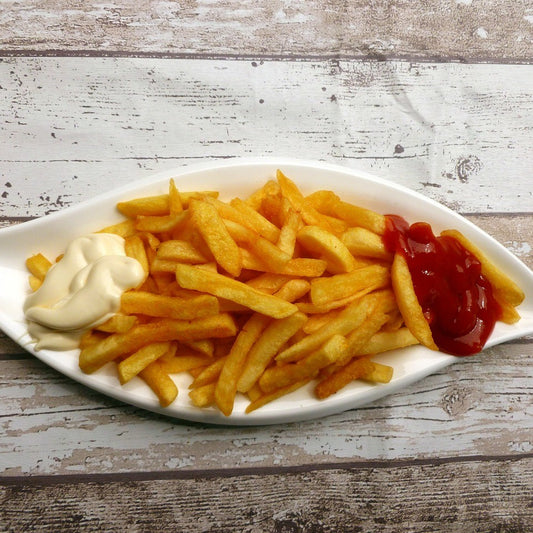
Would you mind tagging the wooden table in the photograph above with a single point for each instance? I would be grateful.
(437, 98)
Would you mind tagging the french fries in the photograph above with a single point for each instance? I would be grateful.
(260, 296)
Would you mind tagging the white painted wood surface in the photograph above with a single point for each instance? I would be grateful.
(94, 95)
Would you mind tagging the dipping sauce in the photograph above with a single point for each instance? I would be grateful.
(456, 299)
(81, 290)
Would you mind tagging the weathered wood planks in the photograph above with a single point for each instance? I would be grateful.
(77, 126)
(458, 496)
(458, 30)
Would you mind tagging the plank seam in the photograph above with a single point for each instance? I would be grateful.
(369, 57)
(177, 475)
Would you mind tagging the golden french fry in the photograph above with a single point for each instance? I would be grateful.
(158, 205)
(138, 361)
(38, 265)
(182, 251)
(408, 302)
(226, 387)
(191, 277)
(328, 247)
(175, 205)
(146, 303)
(379, 373)
(202, 346)
(325, 290)
(384, 341)
(185, 362)
(270, 188)
(363, 242)
(34, 282)
(209, 374)
(203, 396)
(339, 379)
(118, 324)
(123, 229)
(160, 224)
(287, 235)
(267, 346)
(134, 248)
(262, 400)
(209, 223)
(160, 382)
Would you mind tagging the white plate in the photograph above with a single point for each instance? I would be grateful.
(50, 235)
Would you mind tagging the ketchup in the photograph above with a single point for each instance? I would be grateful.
(456, 299)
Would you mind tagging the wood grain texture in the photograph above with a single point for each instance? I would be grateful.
(456, 497)
(79, 126)
(455, 30)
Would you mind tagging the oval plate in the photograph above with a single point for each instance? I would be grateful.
(52, 233)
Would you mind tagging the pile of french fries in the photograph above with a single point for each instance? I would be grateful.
(257, 296)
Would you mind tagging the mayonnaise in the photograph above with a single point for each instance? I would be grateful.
(81, 291)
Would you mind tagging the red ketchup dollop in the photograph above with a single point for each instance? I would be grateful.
(457, 300)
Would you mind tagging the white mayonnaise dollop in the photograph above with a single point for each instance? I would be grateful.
(81, 291)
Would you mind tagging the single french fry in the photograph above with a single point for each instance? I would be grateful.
(38, 265)
(327, 246)
(202, 346)
(157, 205)
(363, 242)
(209, 374)
(408, 302)
(287, 235)
(267, 346)
(191, 277)
(359, 216)
(379, 373)
(157, 305)
(270, 188)
(268, 282)
(118, 323)
(209, 223)
(279, 393)
(226, 387)
(34, 282)
(135, 363)
(384, 341)
(134, 248)
(339, 379)
(184, 363)
(175, 205)
(328, 289)
(159, 224)
(182, 251)
(123, 229)
(203, 396)
(160, 382)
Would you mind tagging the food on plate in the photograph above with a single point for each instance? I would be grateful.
(260, 296)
